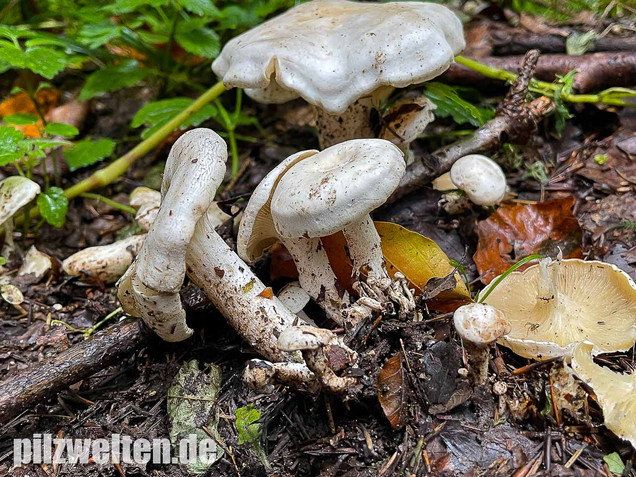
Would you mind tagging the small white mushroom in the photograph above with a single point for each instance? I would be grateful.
(335, 190)
(35, 263)
(147, 202)
(480, 178)
(15, 193)
(323, 351)
(262, 376)
(294, 297)
(479, 325)
(104, 263)
(342, 57)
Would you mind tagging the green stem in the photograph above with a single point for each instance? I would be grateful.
(111, 202)
(229, 127)
(114, 170)
(542, 87)
(520, 263)
(89, 331)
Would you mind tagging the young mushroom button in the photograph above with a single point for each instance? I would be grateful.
(335, 190)
(342, 57)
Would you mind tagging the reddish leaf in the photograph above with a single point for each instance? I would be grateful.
(514, 232)
(21, 103)
(392, 391)
(267, 293)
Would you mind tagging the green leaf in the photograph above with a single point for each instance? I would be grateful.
(53, 206)
(87, 152)
(61, 129)
(156, 114)
(615, 463)
(3, 261)
(200, 7)
(95, 35)
(127, 6)
(45, 143)
(249, 430)
(191, 406)
(449, 103)
(11, 146)
(112, 78)
(578, 43)
(202, 42)
(21, 119)
(39, 59)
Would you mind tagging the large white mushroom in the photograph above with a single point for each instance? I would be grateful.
(555, 305)
(335, 190)
(342, 57)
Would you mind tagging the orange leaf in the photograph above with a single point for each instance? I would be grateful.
(392, 391)
(267, 293)
(21, 103)
(516, 231)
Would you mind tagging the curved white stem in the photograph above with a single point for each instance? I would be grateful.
(234, 289)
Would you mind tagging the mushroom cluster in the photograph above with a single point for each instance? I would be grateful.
(345, 58)
(313, 194)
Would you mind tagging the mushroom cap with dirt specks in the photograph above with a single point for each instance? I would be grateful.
(615, 392)
(480, 324)
(582, 301)
(15, 193)
(332, 53)
(338, 186)
(256, 231)
(480, 178)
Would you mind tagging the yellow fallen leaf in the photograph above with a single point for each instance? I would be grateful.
(417, 257)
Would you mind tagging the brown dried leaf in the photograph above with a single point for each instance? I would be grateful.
(392, 391)
(514, 232)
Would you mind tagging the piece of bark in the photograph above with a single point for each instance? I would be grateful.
(84, 359)
(595, 71)
(513, 43)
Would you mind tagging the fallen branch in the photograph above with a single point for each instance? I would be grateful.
(114, 170)
(595, 71)
(514, 43)
(82, 360)
(514, 121)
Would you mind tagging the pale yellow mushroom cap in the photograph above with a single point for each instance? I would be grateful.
(615, 392)
(555, 305)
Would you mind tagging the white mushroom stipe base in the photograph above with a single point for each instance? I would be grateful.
(479, 325)
(315, 49)
(335, 190)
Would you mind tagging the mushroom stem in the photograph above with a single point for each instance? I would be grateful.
(353, 123)
(316, 276)
(478, 359)
(547, 286)
(262, 375)
(237, 293)
(365, 249)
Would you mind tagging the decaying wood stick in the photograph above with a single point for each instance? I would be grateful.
(513, 43)
(80, 361)
(595, 71)
(514, 121)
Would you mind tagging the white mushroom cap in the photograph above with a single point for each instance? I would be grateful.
(615, 392)
(256, 232)
(35, 263)
(294, 297)
(333, 52)
(298, 338)
(480, 178)
(15, 193)
(480, 324)
(340, 185)
(553, 306)
(106, 263)
(147, 202)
